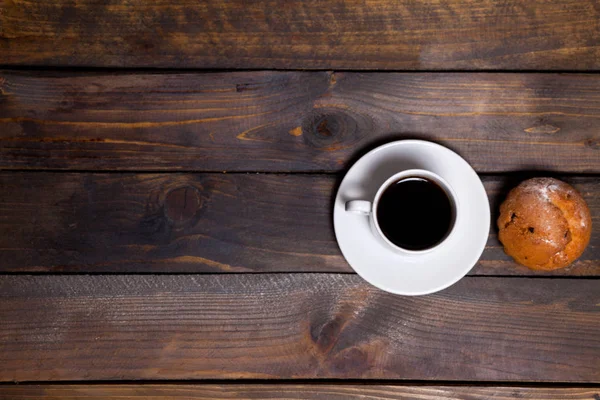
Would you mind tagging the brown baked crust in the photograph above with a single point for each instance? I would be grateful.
(544, 224)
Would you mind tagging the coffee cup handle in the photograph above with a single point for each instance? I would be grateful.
(362, 207)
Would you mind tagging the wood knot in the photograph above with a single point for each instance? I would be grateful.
(593, 143)
(243, 87)
(182, 204)
(332, 129)
(545, 129)
(2, 86)
(297, 131)
(325, 336)
(332, 79)
(326, 126)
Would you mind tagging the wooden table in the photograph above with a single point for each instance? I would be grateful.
(166, 185)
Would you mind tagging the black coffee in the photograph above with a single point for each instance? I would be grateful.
(415, 213)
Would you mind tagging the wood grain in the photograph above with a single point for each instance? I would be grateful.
(288, 391)
(74, 222)
(281, 34)
(115, 327)
(294, 121)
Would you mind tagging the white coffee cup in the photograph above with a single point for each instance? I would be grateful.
(369, 208)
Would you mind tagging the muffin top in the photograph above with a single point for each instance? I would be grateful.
(544, 224)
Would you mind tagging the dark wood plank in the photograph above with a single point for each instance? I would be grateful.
(105, 327)
(71, 222)
(289, 391)
(294, 121)
(342, 34)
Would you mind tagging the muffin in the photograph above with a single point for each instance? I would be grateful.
(544, 224)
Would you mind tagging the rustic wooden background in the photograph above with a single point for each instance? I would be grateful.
(167, 172)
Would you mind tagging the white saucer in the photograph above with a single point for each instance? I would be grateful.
(403, 274)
